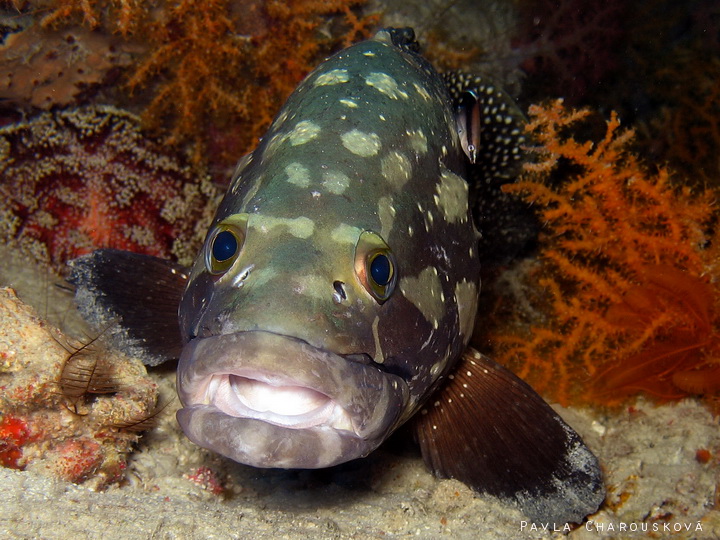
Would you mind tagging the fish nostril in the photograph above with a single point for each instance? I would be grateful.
(339, 296)
(242, 276)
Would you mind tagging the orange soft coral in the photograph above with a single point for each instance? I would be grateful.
(216, 71)
(622, 289)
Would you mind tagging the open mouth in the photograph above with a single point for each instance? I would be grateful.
(288, 405)
(275, 401)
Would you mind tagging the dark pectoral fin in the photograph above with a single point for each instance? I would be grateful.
(489, 429)
(138, 292)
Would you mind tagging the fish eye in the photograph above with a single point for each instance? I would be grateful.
(224, 246)
(225, 243)
(380, 269)
(375, 266)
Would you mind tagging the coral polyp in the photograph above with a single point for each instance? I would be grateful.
(89, 178)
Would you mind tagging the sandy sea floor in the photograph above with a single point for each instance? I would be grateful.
(173, 489)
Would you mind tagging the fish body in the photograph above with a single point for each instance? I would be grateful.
(361, 161)
(337, 288)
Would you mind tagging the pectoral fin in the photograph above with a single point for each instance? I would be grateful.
(135, 297)
(492, 431)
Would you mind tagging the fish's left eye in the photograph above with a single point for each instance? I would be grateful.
(381, 269)
(224, 244)
(375, 266)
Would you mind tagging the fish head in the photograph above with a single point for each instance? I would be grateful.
(338, 282)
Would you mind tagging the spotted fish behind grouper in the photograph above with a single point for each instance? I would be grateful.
(337, 289)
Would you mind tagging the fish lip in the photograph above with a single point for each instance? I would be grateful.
(347, 408)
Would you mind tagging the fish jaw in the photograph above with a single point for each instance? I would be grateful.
(269, 400)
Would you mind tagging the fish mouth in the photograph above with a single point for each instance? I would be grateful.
(269, 400)
(289, 405)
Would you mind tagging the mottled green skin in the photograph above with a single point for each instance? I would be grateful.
(367, 142)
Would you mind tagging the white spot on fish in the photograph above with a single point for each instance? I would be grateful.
(424, 291)
(298, 174)
(349, 103)
(281, 117)
(386, 84)
(466, 297)
(417, 140)
(252, 191)
(422, 92)
(452, 196)
(379, 357)
(303, 132)
(335, 182)
(334, 76)
(272, 145)
(386, 213)
(237, 180)
(301, 227)
(361, 143)
(345, 234)
(396, 169)
(436, 369)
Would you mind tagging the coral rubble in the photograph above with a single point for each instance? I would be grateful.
(88, 178)
(625, 297)
(79, 436)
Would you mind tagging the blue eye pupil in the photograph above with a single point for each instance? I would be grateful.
(381, 270)
(224, 246)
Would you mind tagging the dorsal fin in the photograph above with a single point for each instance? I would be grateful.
(490, 430)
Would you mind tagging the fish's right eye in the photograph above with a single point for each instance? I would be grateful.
(224, 246)
(225, 243)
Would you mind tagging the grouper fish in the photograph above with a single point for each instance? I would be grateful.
(336, 292)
